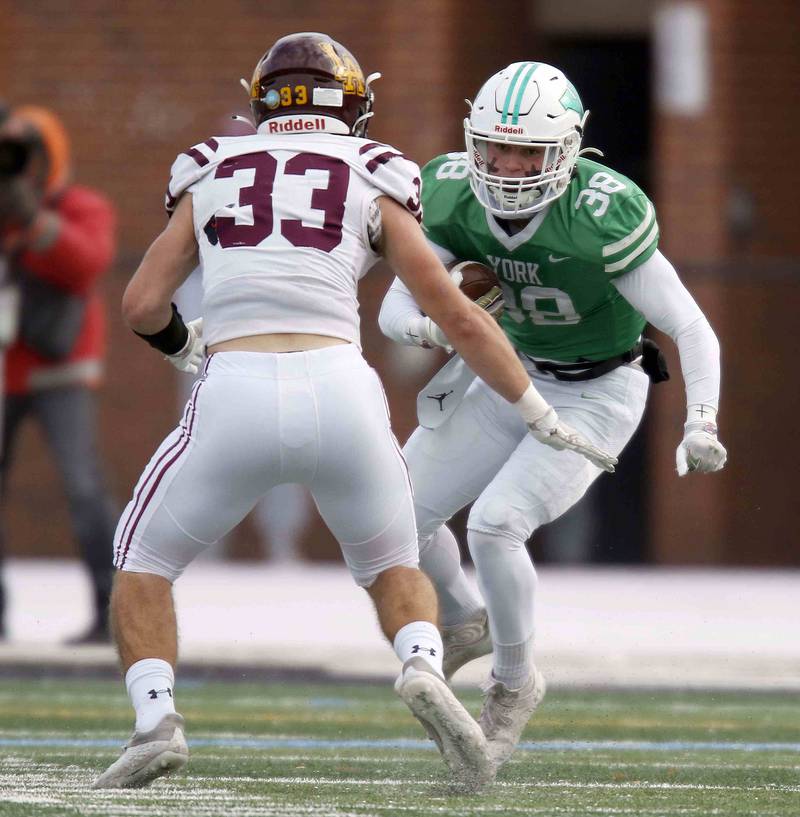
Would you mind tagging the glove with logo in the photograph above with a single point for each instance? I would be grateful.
(549, 430)
(700, 450)
(191, 355)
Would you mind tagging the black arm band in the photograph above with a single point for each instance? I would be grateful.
(172, 338)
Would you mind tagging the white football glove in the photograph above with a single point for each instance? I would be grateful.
(700, 450)
(431, 333)
(191, 356)
(551, 431)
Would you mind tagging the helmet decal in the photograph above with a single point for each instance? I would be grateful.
(571, 101)
(347, 70)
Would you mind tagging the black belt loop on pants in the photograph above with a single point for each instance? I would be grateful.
(589, 369)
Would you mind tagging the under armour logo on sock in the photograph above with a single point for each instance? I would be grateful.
(430, 650)
(154, 693)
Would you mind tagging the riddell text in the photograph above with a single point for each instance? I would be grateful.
(296, 124)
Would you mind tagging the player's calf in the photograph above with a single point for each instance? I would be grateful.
(465, 642)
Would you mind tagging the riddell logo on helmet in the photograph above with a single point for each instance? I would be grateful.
(508, 129)
(298, 124)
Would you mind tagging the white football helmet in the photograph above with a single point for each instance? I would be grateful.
(527, 104)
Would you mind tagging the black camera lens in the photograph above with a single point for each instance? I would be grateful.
(14, 156)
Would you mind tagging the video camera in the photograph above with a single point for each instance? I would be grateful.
(14, 156)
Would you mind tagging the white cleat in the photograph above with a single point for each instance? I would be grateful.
(448, 724)
(465, 642)
(506, 712)
(148, 755)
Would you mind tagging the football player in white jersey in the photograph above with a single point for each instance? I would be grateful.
(575, 248)
(284, 223)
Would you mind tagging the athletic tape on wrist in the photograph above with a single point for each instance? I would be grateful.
(532, 406)
(172, 338)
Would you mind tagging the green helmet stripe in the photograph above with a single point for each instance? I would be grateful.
(511, 88)
(521, 93)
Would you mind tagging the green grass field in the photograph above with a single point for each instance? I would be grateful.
(273, 749)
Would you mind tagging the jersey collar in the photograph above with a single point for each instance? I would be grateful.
(512, 242)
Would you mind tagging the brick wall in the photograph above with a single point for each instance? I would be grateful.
(138, 82)
(742, 149)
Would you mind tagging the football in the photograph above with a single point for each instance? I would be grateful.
(476, 278)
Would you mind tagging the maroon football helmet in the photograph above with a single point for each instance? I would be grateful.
(311, 82)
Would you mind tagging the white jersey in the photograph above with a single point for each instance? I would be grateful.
(281, 225)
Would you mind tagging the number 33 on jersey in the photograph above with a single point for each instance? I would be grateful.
(259, 200)
(556, 272)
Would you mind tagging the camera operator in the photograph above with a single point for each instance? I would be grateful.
(57, 239)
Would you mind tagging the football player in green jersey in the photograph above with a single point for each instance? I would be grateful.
(574, 245)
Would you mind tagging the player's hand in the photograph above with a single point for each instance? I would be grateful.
(700, 449)
(432, 334)
(492, 302)
(191, 356)
(551, 431)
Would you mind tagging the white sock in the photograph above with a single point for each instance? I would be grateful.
(150, 685)
(513, 663)
(420, 639)
(440, 559)
(507, 580)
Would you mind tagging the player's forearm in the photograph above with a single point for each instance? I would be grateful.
(468, 328)
(657, 292)
(168, 262)
(482, 344)
(699, 352)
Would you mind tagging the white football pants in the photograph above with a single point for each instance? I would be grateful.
(257, 420)
(483, 452)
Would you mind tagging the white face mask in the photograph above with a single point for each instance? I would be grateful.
(504, 174)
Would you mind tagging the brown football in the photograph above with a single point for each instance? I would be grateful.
(477, 279)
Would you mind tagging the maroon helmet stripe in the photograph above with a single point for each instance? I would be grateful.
(212, 143)
(195, 154)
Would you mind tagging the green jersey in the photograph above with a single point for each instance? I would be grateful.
(555, 273)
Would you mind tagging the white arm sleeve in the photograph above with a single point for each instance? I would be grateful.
(655, 290)
(400, 318)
